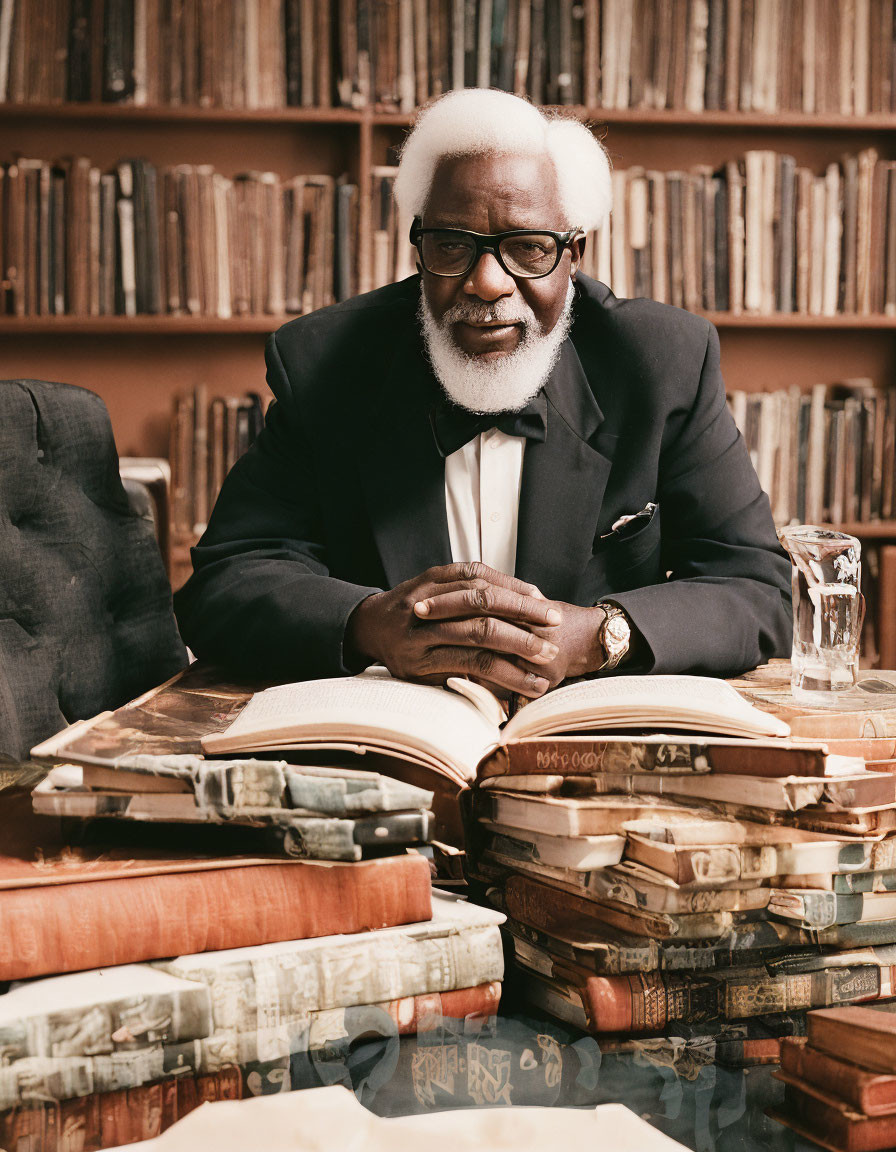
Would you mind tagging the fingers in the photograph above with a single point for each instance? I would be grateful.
(489, 668)
(475, 570)
(490, 600)
(497, 636)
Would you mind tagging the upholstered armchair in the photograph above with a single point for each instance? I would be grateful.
(85, 605)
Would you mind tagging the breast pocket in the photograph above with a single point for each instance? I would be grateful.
(625, 559)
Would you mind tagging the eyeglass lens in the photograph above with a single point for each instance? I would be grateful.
(453, 253)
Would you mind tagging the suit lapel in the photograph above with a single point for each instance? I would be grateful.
(404, 479)
(563, 485)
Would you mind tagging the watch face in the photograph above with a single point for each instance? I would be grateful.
(617, 629)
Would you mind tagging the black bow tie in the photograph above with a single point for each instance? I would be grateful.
(453, 427)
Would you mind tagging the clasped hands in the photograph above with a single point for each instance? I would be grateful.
(471, 620)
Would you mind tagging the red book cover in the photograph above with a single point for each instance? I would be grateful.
(65, 927)
(869, 1092)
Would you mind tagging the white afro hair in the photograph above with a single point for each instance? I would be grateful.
(472, 121)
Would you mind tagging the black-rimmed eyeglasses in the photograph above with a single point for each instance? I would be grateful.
(521, 252)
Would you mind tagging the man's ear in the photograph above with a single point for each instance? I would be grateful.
(576, 252)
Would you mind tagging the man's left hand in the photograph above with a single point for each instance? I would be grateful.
(576, 636)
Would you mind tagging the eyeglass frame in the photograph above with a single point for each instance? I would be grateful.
(562, 239)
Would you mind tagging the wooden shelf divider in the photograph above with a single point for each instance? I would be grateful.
(173, 325)
(625, 117)
(139, 325)
(180, 113)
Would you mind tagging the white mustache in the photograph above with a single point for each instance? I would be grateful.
(472, 313)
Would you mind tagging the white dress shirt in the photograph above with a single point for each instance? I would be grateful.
(482, 499)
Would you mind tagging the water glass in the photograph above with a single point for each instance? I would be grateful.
(828, 610)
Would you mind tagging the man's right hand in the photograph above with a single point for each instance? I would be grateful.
(484, 640)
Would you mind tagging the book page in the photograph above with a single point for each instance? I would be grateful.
(697, 702)
(441, 723)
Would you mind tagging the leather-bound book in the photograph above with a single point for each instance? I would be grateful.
(873, 1093)
(646, 1002)
(830, 1123)
(104, 1119)
(63, 914)
(860, 1035)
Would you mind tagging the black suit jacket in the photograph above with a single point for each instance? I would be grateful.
(343, 493)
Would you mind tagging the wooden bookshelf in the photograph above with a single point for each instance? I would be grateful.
(139, 364)
(708, 121)
(868, 529)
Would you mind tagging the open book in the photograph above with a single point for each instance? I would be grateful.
(452, 731)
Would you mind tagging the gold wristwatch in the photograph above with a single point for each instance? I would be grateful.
(615, 635)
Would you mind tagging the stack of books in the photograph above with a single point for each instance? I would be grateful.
(111, 1044)
(713, 885)
(210, 928)
(840, 1080)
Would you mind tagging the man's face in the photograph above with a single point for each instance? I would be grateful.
(497, 194)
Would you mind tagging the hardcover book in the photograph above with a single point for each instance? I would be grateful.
(63, 918)
(649, 1002)
(829, 1122)
(861, 1035)
(712, 852)
(321, 813)
(872, 1093)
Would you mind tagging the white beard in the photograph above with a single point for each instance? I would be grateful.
(506, 383)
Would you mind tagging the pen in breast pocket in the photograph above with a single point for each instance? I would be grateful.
(646, 512)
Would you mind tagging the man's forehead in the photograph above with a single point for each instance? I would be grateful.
(494, 187)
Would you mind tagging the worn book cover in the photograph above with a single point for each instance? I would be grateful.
(80, 908)
(816, 909)
(861, 1035)
(713, 852)
(872, 1093)
(513, 846)
(89, 1013)
(104, 1119)
(571, 816)
(320, 813)
(281, 982)
(631, 885)
(828, 1121)
(729, 1043)
(584, 755)
(646, 1002)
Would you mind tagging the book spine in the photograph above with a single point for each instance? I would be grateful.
(586, 757)
(65, 928)
(646, 1002)
(422, 1013)
(868, 1093)
(175, 1016)
(286, 987)
(103, 1119)
(837, 1127)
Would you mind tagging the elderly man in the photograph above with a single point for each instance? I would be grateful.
(495, 468)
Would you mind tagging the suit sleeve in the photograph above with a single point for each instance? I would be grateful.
(261, 598)
(725, 606)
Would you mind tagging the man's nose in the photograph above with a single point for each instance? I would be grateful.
(488, 280)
